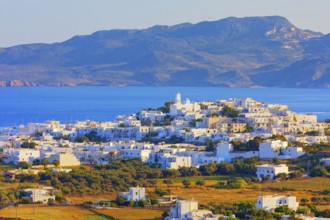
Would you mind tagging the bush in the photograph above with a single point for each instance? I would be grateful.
(30, 145)
(170, 173)
(237, 183)
(161, 192)
(24, 165)
(25, 201)
(154, 201)
(142, 203)
(318, 171)
(257, 187)
(284, 209)
(81, 139)
(281, 176)
(167, 181)
(200, 183)
(186, 183)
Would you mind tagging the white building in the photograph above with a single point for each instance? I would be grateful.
(179, 108)
(65, 159)
(271, 149)
(21, 155)
(186, 210)
(135, 153)
(38, 195)
(170, 160)
(271, 202)
(134, 193)
(271, 170)
(223, 151)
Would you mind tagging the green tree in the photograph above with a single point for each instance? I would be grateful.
(166, 107)
(208, 169)
(36, 162)
(143, 203)
(170, 173)
(51, 201)
(165, 214)
(56, 163)
(284, 209)
(210, 146)
(81, 139)
(29, 145)
(24, 165)
(225, 168)
(318, 171)
(161, 191)
(229, 112)
(44, 162)
(25, 200)
(237, 183)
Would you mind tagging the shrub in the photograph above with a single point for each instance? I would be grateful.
(200, 183)
(143, 203)
(186, 183)
(161, 192)
(25, 201)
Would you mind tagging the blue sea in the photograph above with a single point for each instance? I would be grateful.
(21, 105)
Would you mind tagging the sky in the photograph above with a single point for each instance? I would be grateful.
(49, 21)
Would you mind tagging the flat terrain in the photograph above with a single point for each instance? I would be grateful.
(302, 188)
(315, 184)
(74, 212)
(49, 212)
(133, 213)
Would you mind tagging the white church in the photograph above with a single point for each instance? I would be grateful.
(178, 108)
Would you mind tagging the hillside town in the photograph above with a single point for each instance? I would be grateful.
(172, 136)
(179, 135)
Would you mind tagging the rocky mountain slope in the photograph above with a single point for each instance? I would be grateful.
(236, 52)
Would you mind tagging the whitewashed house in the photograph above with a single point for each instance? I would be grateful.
(135, 194)
(223, 151)
(271, 149)
(271, 202)
(65, 159)
(271, 170)
(188, 209)
(38, 195)
(21, 155)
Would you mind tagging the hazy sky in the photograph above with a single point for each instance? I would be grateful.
(29, 21)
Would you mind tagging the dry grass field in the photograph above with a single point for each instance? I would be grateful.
(302, 188)
(94, 198)
(313, 184)
(49, 212)
(74, 212)
(133, 213)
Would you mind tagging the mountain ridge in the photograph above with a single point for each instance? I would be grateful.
(235, 52)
